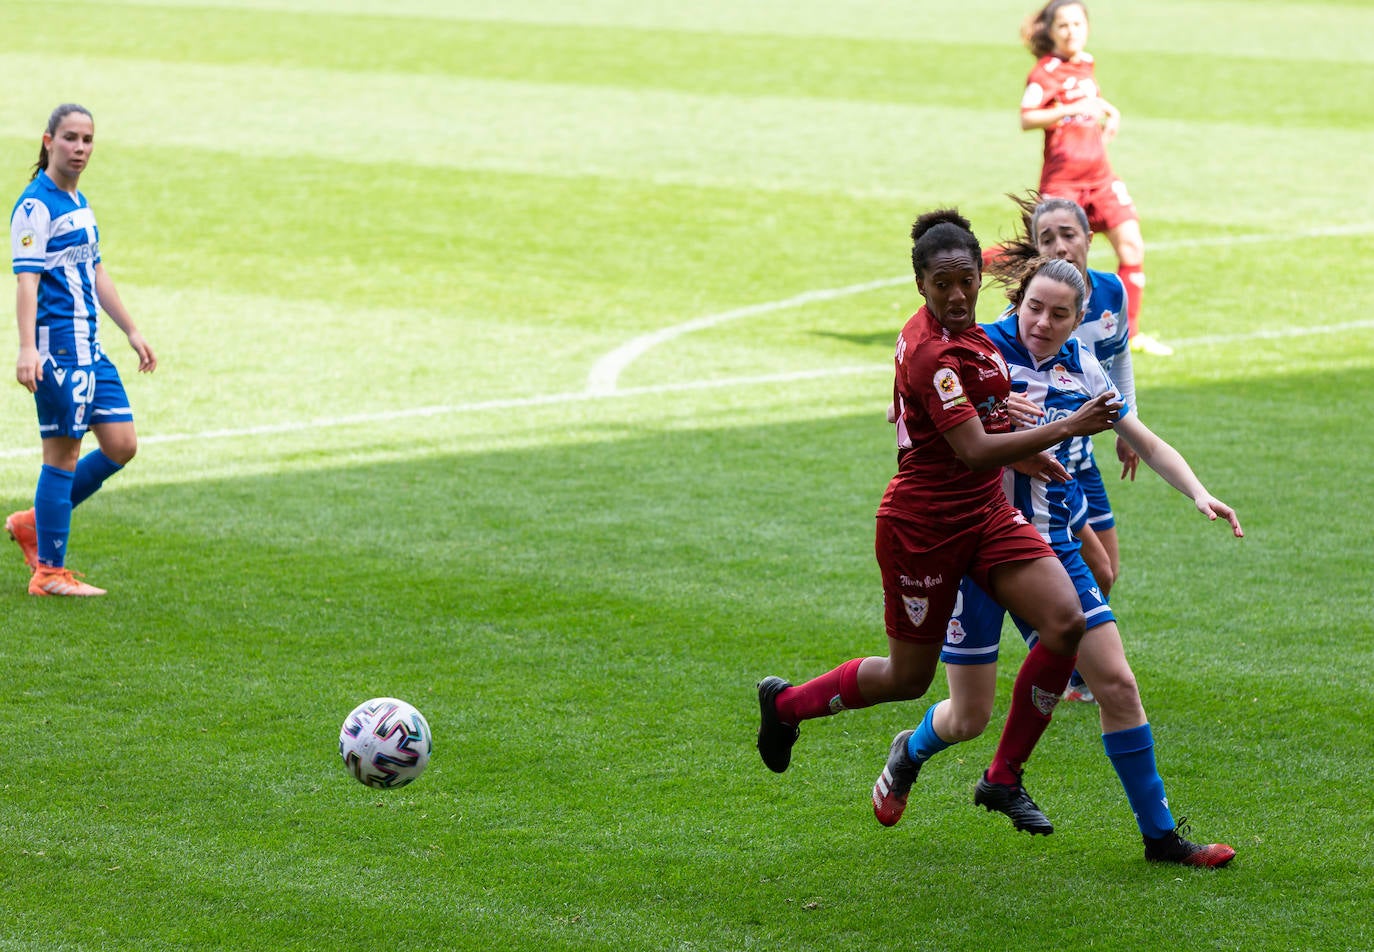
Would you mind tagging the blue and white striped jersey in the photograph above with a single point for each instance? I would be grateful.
(53, 233)
(1061, 385)
(1106, 333)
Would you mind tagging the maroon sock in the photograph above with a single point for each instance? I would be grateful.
(1039, 683)
(832, 692)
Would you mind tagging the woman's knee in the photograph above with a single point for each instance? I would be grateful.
(120, 449)
(963, 723)
(1116, 691)
(1062, 631)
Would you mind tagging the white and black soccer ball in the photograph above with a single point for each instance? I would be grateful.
(385, 743)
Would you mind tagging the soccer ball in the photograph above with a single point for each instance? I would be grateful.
(385, 743)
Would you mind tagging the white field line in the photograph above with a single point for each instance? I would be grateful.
(605, 373)
(586, 396)
(648, 341)
(482, 406)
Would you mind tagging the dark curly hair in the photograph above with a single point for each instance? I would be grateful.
(942, 230)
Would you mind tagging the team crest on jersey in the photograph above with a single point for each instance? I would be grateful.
(1062, 379)
(916, 608)
(1108, 321)
(947, 384)
(954, 632)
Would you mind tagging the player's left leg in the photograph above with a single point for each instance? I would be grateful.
(112, 423)
(118, 442)
(1129, 745)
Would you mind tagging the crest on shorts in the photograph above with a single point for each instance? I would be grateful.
(954, 632)
(916, 608)
(947, 384)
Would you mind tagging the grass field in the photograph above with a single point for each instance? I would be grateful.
(530, 365)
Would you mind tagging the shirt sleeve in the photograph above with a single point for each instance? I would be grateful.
(933, 378)
(1099, 381)
(29, 235)
(1123, 374)
(1040, 91)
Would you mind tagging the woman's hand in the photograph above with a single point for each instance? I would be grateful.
(29, 368)
(1129, 458)
(1098, 414)
(1024, 411)
(147, 360)
(1212, 508)
(1042, 466)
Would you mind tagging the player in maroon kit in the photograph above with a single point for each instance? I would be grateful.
(1062, 98)
(944, 515)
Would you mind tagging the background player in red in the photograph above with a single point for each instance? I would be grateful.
(944, 515)
(1063, 99)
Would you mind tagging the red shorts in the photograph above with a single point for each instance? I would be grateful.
(1107, 203)
(923, 564)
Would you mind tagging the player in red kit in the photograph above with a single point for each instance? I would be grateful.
(1062, 98)
(944, 515)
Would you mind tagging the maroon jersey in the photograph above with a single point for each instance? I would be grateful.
(1074, 151)
(943, 379)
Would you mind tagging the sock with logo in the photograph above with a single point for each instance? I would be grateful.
(1132, 753)
(52, 514)
(832, 692)
(95, 467)
(1133, 277)
(924, 743)
(1039, 684)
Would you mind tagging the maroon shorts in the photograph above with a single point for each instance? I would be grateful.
(923, 564)
(1107, 203)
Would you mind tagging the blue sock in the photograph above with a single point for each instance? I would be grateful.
(95, 467)
(52, 514)
(1132, 753)
(924, 743)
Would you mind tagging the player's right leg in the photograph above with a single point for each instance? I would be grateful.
(20, 526)
(62, 408)
(1041, 587)
(920, 585)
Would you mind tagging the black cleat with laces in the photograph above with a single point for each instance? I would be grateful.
(775, 737)
(1173, 847)
(1013, 800)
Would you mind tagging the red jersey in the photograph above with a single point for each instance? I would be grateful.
(1074, 151)
(942, 380)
